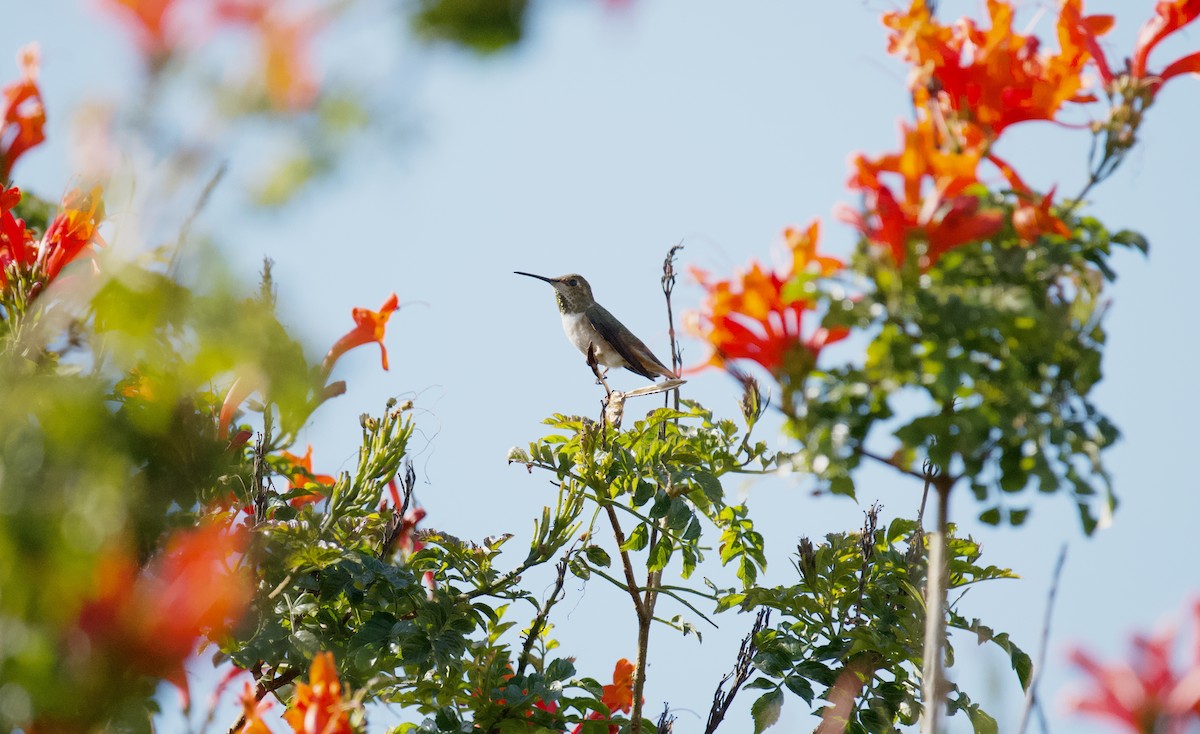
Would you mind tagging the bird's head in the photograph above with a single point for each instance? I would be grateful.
(573, 292)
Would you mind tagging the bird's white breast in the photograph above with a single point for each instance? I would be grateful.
(581, 333)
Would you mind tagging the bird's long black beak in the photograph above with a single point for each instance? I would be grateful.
(539, 277)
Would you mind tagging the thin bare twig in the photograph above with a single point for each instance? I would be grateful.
(668, 287)
(1031, 699)
(185, 229)
(539, 620)
(742, 669)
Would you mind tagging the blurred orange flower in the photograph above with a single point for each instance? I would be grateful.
(754, 316)
(148, 20)
(24, 116)
(369, 327)
(72, 230)
(1032, 217)
(148, 620)
(1169, 17)
(284, 42)
(306, 479)
(317, 707)
(992, 77)
(17, 248)
(252, 710)
(934, 173)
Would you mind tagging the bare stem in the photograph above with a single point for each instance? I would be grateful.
(539, 621)
(742, 669)
(1031, 693)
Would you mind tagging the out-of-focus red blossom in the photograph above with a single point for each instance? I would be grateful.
(406, 540)
(22, 125)
(1169, 17)
(284, 42)
(368, 327)
(73, 230)
(253, 710)
(993, 77)
(149, 20)
(148, 620)
(17, 249)
(70, 234)
(748, 316)
(1144, 694)
(306, 479)
(1032, 217)
(318, 707)
(617, 697)
(934, 175)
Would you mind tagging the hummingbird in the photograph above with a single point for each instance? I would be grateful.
(588, 323)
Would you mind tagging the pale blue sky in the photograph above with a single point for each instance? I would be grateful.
(606, 138)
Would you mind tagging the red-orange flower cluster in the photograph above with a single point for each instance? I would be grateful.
(24, 118)
(758, 314)
(993, 77)
(318, 707)
(970, 83)
(936, 206)
(71, 233)
(368, 327)
(148, 620)
(1144, 694)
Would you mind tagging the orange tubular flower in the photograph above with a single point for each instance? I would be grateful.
(307, 479)
(993, 77)
(24, 118)
(748, 316)
(253, 710)
(1169, 16)
(318, 707)
(17, 250)
(72, 231)
(147, 621)
(369, 327)
(936, 207)
(617, 697)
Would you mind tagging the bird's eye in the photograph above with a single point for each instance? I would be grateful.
(573, 282)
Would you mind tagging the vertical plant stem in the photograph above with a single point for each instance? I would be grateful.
(1031, 699)
(935, 612)
(644, 618)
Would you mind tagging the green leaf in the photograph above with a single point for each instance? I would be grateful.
(765, 710)
(800, 687)
(597, 556)
(637, 539)
(982, 722)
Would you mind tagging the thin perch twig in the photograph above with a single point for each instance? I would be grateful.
(741, 672)
(1031, 693)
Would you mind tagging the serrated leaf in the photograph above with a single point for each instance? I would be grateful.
(765, 710)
